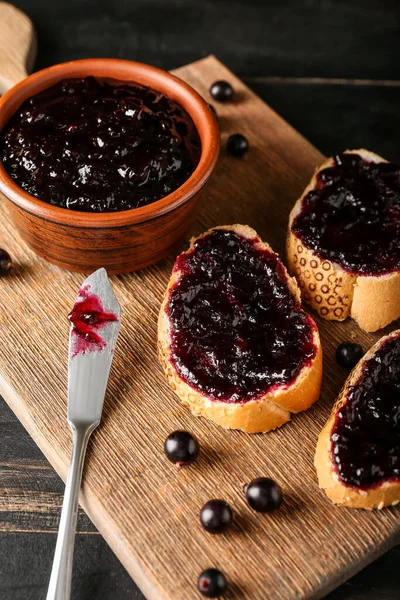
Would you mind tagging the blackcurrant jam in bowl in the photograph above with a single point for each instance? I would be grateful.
(103, 160)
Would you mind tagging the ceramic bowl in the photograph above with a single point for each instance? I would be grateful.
(119, 241)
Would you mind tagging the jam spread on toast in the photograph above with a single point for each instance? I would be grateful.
(100, 145)
(236, 329)
(353, 216)
(365, 437)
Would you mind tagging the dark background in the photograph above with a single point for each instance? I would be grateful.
(332, 69)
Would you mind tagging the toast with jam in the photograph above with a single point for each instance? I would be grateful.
(358, 450)
(234, 342)
(343, 242)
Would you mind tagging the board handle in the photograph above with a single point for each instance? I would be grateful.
(17, 46)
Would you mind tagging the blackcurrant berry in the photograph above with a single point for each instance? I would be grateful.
(264, 495)
(222, 91)
(348, 354)
(216, 516)
(181, 447)
(5, 262)
(237, 145)
(212, 583)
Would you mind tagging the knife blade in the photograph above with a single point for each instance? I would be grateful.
(92, 341)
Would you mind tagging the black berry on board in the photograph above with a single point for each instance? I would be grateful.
(222, 91)
(237, 145)
(212, 583)
(5, 262)
(216, 516)
(264, 495)
(181, 448)
(348, 354)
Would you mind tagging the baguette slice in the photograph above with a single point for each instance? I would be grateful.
(384, 492)
(259, 414)
(335, 293)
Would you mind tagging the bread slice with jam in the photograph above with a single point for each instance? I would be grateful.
(233, 340)
(358, 450)
(343, 242)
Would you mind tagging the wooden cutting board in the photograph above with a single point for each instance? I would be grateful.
(144, 508)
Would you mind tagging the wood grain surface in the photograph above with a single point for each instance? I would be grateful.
(146, 510)
(17, 46)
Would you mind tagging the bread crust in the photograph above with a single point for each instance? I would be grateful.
(387, 493)
(331, 290)
(254, 416)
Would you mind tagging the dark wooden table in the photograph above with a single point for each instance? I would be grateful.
(331, 68)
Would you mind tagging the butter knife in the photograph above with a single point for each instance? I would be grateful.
(95, 322)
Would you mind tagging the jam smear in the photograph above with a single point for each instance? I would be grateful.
(236, 330)
(353, 217)
(100, 145)
(366, 434)
(88, 317)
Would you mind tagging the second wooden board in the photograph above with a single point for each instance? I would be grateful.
(145, 509)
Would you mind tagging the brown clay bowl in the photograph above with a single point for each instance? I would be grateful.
(119, 241)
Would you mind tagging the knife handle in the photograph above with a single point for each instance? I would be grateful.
(60, 579)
